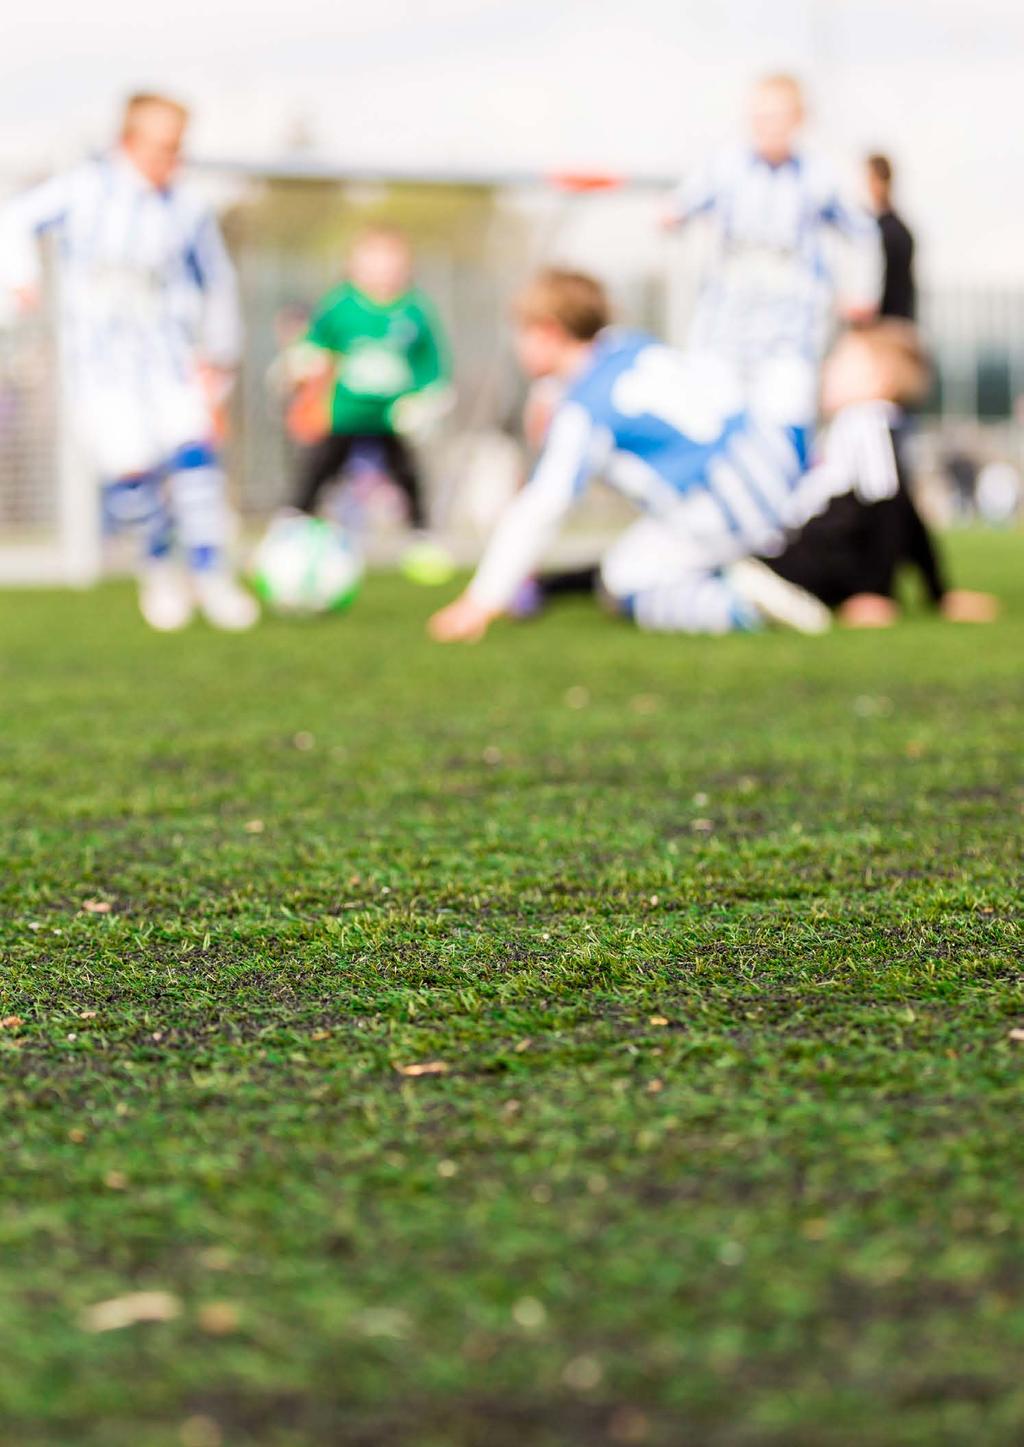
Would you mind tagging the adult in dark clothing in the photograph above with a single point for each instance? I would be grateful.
(899, 291)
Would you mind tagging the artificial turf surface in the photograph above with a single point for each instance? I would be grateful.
(716, 941)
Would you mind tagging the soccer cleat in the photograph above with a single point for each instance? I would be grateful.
(164, 599)
(776, 600)
(224, 604)
(427, 563)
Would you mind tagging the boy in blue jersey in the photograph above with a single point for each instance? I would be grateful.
(718, 481)
(151, 332)
(769, 290)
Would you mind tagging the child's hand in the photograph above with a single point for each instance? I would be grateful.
(28, 299)
(216, 384)
(867, 610)
(464, 621)
(857, 314)
(961, 606)
(297, 363)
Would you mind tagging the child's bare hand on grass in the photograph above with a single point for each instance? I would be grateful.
(868, 610)
(960, 605)
(464, 621)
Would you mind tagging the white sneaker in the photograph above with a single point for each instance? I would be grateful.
(224, 603)
(164, 598)
(777, 600)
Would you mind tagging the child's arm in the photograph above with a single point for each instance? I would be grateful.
(527, 528)
(919, 549)
(222, 314)
(310, 357)
(23, 222)
(430, 397)
(862, 282)
(429, 357)
(696, 195)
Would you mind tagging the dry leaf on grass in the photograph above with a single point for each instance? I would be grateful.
(11, 1022)
(218, 1318)
(657, 1020)
(200, 1432)
(424, 1067)
(1017, 1034)
(254, 826)
(96, 906)
(630, 1426)
(136, 1306)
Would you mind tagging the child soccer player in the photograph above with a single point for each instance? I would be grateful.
(379, 340)
(769, 289)
(719, 483)
(151, 329)
(850, 553)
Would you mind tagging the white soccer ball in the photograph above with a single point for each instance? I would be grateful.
(306, 565)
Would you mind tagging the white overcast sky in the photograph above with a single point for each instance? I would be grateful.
(641, 85)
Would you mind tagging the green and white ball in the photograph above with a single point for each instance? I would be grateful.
(306, 566)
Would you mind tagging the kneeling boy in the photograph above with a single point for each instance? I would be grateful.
(719, 480)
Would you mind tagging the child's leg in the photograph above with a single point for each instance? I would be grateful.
(319, 465)
(199, 506)
(139, 506)
(202, 525)
(404, 473)
(647, 573)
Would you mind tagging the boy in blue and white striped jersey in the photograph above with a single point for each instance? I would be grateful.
(718, 480)
(150, 326)
(769, 289)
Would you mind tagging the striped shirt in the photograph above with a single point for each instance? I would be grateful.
(861, 524)
(145, 280)
(858, 450)
(770, 283)
(670, 432)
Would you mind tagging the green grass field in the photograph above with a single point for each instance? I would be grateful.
(712, 948)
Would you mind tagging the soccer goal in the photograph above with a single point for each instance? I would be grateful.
(49, 517)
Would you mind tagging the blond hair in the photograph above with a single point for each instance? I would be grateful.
(150, 100)
(381, 231)
(782, 80)
(896, 347)
(574, 301)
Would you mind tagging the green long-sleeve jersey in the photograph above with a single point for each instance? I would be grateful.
(384, 351)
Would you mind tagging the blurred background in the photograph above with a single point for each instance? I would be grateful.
(461, 119)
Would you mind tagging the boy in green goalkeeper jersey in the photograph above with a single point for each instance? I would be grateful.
(377, 343)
